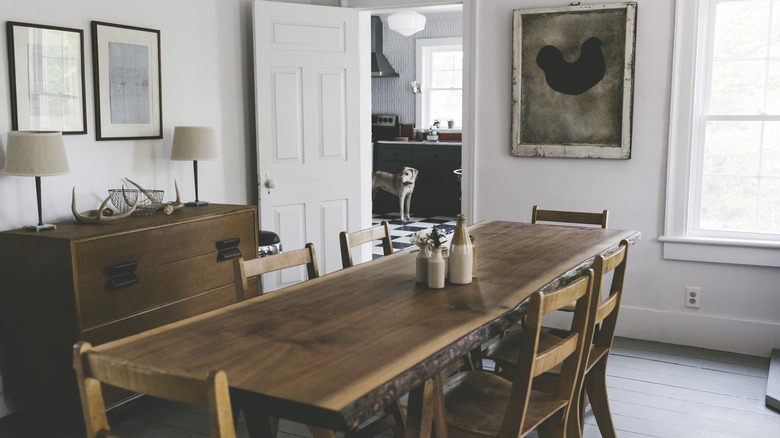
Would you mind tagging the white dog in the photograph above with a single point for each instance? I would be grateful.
(399, 184)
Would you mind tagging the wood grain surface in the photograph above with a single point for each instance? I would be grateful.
(304, 354)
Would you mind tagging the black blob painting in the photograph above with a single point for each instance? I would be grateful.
(572, 81)
(573, 77)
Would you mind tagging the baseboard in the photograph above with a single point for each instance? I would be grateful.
(717, 332)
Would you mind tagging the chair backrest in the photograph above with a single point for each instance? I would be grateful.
(536, 358)
(351, 240)
(571, 217)
(607, 310)
(93, 369)
(245, 269)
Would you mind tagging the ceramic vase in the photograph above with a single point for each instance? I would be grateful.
(461, 254)
(436, 270)
(422, 264)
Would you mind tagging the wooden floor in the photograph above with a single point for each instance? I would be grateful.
(656, 390)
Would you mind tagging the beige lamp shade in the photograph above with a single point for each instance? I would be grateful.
(31, 153)
(406, 22)
(192, 143)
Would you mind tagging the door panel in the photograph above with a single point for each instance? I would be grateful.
(311, 123)
(290, 221)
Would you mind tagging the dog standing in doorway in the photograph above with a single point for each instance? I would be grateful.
(399, 184)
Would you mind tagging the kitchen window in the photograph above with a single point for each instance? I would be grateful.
(723, 188)
(440, 71)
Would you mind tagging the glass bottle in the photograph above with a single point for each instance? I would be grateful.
(461, 254)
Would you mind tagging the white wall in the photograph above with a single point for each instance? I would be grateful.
(206, 80)
(740, 307)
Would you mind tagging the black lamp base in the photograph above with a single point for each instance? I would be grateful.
(196, 203)
(41, 227)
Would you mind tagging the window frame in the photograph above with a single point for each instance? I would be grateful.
(680, 240)
(423, 75)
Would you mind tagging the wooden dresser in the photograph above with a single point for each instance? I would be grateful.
(100, 282)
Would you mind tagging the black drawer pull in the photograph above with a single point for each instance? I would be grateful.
(124, 268)
(228, 253)
(122, 281)
(228, 243)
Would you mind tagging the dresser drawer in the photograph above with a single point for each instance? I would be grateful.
(99, 302)
(163, 315)
(160, 245)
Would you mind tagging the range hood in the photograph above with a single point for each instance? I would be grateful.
(380, 66)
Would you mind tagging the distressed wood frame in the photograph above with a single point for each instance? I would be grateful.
(596, 123)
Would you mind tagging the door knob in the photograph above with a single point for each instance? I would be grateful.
(270, 183)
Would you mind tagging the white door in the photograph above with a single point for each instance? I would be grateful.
(313, 127)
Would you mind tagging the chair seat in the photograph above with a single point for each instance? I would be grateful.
(475, 402)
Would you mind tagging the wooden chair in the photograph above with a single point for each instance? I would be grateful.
(604, 321)
(393, 415)
(245, 269)
(93, 369)
(351, 240)
(483, 404)
(571, 217)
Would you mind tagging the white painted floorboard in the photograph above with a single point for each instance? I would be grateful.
(655, 390)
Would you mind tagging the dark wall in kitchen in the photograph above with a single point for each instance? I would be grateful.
(394, 95)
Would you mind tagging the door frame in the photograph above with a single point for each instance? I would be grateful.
(469, 128)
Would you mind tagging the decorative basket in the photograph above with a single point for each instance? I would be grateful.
(123, 199)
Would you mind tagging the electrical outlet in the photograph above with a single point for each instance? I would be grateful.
(693, 297)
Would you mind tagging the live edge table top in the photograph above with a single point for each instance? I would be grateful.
(333, 351)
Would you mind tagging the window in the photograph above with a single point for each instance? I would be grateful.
(440, 71)
(724, 160)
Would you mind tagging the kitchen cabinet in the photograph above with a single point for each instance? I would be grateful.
(437, 189)
(101, 282)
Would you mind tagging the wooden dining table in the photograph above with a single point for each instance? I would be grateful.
(333, 351)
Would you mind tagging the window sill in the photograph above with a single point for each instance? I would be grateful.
(731, 251)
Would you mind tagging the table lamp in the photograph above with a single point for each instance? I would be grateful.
(194, 143)
(37, 154)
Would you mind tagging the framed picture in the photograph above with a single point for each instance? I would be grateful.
(573, 81)
(128, 97)
(46, 70)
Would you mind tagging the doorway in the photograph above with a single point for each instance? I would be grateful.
(428, 87)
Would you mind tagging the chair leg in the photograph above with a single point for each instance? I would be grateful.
(399, 428)
(554, 427)
(574, 423)
(596, 389)
(319, 432)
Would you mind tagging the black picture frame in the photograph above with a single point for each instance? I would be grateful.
(128, 82)
(46, 73)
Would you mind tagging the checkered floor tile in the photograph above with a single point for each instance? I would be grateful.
(402, 232)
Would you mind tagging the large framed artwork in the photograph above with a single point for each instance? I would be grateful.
(128, 95)
(46, 69)
(573, 81)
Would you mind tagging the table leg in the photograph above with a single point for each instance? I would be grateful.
(425, 415)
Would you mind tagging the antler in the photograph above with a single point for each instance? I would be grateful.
(97, 216)
(168, 207)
